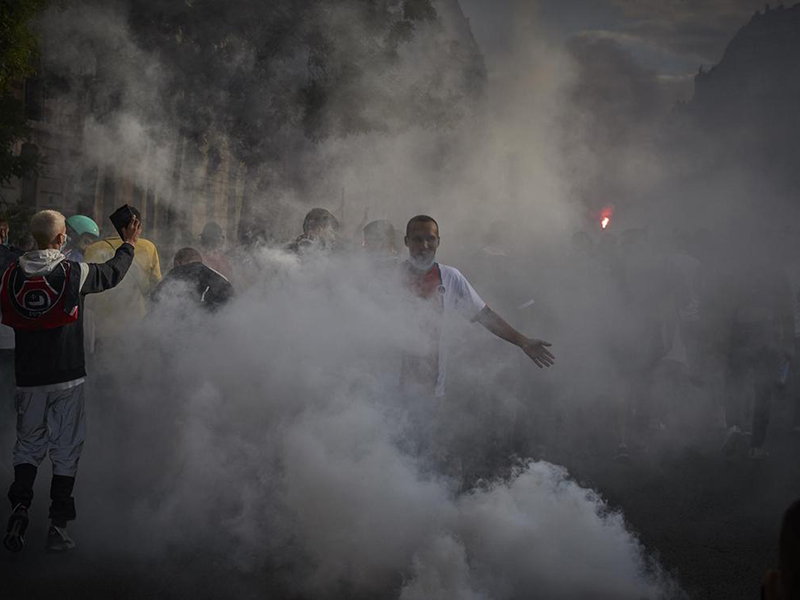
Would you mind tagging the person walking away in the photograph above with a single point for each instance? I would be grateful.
(191, 281)
(42, 299)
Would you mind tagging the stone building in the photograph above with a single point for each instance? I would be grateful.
(68, 184)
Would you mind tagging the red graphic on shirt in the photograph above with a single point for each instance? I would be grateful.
(37, 303)
(421, 370)
(36, 296)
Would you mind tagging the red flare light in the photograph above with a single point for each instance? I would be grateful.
(605, 217)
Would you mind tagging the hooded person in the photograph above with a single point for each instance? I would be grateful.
(191, 281)
(42, 298)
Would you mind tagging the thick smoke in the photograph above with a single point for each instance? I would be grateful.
(281, 440)
(272, 435)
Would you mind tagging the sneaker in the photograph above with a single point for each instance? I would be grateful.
(15, 532)
(757, 454)
(58, 540)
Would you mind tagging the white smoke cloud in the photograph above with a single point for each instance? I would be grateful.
(284, 440)
(273, 433)
(115, 100)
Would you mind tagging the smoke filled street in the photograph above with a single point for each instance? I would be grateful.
(715, 526)
(400, 299)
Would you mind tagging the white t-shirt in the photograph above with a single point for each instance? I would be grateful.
(460, 298)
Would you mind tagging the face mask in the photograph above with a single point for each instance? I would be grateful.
(422, 263)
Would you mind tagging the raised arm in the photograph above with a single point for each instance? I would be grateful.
(537, 350)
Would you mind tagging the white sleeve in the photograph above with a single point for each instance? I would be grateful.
(84, 275)
(467, 300)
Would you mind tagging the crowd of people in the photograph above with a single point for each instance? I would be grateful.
(693, 317)
(48, 324)
(726, 327)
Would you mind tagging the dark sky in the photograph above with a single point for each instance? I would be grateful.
(672, 37)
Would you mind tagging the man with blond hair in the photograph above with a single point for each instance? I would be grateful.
(42, 300)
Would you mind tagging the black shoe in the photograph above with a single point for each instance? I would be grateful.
(58, 540)
(15, 532)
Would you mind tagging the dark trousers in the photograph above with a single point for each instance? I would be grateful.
(62, 504)
(7, 385)
(764, 363)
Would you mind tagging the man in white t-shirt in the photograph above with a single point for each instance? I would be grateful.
(442, 291)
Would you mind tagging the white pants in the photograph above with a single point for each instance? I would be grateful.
(53, 421)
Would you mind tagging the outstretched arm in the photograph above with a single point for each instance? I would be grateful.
(537, 350)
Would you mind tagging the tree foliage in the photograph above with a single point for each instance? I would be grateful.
(18, 57)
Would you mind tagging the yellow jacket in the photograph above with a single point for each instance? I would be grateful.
(126, 303)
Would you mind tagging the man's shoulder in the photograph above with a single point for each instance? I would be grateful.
(215, 276)
(452, 273)
(146, 245)
(8, 256)
(103, 246)
(11, 251)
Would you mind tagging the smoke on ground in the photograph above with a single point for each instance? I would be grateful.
(274, 435)
(273, 431)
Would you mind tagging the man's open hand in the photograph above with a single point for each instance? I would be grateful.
(538, 352)
(132, 231)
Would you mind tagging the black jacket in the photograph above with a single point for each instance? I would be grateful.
(56, 355)
(194, 283)
(8, 254)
